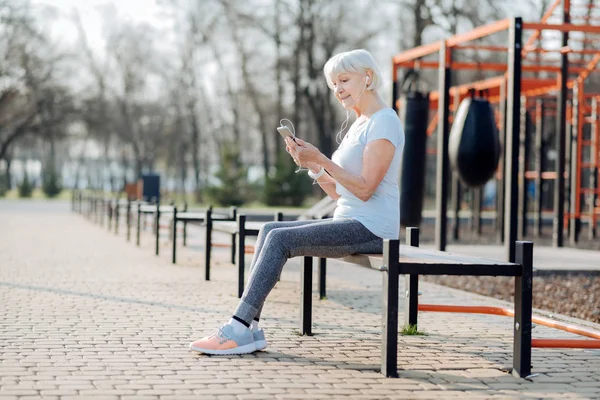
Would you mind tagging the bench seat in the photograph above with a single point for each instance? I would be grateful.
(412, 261)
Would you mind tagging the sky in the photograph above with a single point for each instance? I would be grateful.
(63, 29)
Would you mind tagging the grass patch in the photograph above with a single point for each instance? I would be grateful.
(411, 330)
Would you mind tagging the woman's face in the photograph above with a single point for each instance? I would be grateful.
(348, 87)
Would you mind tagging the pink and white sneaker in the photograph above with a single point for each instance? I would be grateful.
(224, 341)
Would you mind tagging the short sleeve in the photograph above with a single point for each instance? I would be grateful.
(385, 126)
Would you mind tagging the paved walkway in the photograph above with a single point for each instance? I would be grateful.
(84, 313)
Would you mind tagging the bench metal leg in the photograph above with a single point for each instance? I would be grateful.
(139, 221)
(184, 233)
(411, 284)
(233, 248)
(240, 262)
(322, 278)
(523, 305)
(174, 252)
(157, 228)
(207, 244)
(306, 297)
(389, 338)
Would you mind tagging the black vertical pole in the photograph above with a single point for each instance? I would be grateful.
(456, 199)
(174, 249)
(443, 164)
(241, 244)
(306, 296)
(157, 228)
(523, 310)
(117, 215)
(500, 223)
(389, 338)
(595, 137)
(456, 186)
(561, 119)
(513, 109)
(128, 221)
(184, 241)
(574, 166)
(539, 167)
(207, 243)
(411, 285)
(139, 221)
(476, 210)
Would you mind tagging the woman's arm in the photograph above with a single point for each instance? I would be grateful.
(377, 157)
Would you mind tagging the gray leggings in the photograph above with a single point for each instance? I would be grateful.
(278, 241)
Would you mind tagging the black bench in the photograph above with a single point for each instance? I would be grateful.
(206, 219)
(413, 261)
(239, 230)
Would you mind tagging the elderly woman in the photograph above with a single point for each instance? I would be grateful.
(362, 175)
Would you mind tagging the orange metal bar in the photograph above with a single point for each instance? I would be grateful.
(562, 27)
(477, 33)
(566, 343)
(544, 19)
(589, 68)
(432, 125)
(578, 330)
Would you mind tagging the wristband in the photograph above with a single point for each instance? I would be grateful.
(317, 175)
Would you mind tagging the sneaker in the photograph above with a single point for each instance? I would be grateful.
(224, 341)
(259, 339)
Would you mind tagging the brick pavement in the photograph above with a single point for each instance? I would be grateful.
(86, 314)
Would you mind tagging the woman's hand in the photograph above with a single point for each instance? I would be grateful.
(304, 153)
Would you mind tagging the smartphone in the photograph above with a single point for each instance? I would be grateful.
(284, 131)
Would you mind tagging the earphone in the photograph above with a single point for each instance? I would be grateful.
(338, 137)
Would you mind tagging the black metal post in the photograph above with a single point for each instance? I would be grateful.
(500, 186)
(523, 310)
(389, 337)
(241, 244)
(207, 243)
(456, 199)
(476, 211)
(574, 223)
(157, 228)
(306, 297)
(411, 284)
(174, 251)
(539, 165)
(561, 120)
(128, 221)
(443, 164)
(513, 109)
(117, 215)
(184, 241)
(139, 222)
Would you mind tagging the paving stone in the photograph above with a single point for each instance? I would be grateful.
(89, 315)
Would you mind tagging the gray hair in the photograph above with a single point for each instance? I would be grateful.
(353, 61)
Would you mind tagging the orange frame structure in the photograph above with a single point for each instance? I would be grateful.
(529, 80)
(545, 72)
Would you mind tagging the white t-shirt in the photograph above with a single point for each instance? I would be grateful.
(381, 213)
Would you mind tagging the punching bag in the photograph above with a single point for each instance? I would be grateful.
(474, 142)
(414, 115)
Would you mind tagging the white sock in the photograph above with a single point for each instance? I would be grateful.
(238, 327)
(254, 325)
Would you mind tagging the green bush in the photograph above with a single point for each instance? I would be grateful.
(3, 184)
(51, 184)
(233, 188)
(25, 187)
(285, 187)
